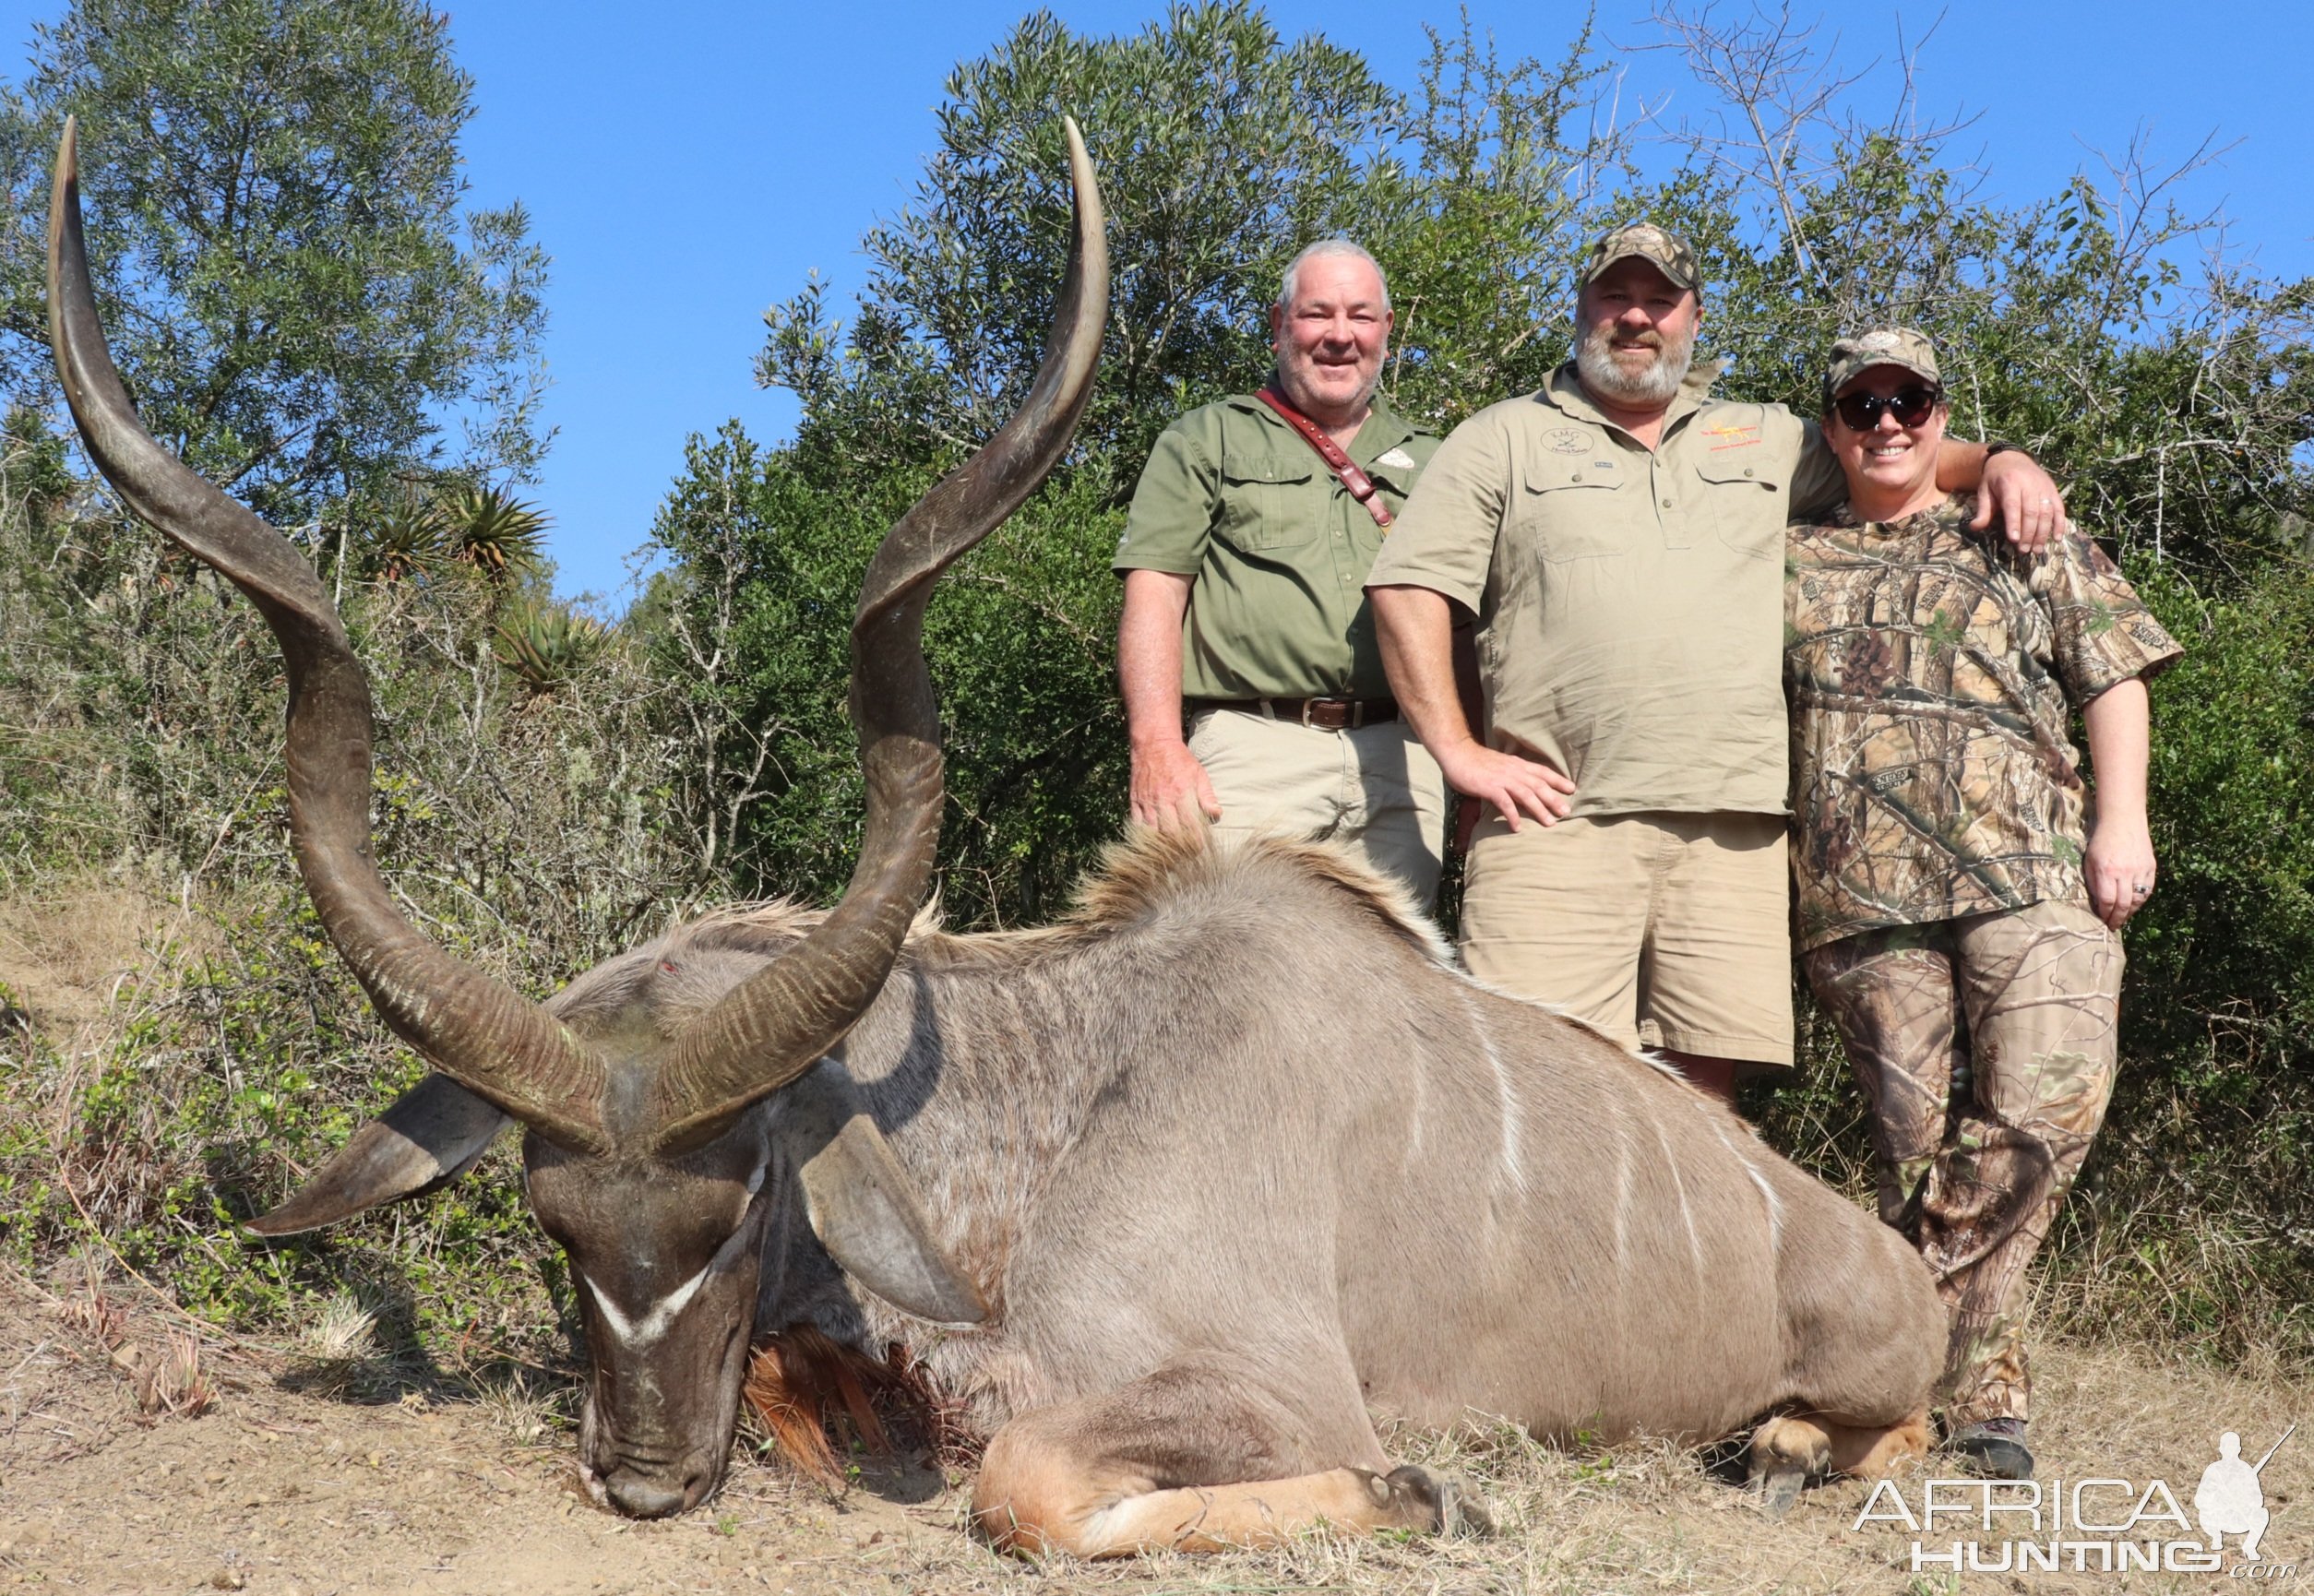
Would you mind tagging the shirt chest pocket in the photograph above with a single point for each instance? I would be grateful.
(1270, 502)
(1747, 504)
(1569, 515)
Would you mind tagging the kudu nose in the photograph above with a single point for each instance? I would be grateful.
(642, 1499)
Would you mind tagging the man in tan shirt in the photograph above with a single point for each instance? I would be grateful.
(1619, 537)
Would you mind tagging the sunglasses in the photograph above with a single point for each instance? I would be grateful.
(1911, 406)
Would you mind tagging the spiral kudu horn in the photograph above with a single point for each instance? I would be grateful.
(472, 1029)
(770, 1030)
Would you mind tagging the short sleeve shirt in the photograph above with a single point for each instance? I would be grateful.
(1236, 499)
(1629, 600)
(1933, 671)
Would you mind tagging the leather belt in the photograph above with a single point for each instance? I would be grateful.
(1323, 714)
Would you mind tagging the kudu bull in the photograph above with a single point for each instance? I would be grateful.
(1171, 1195)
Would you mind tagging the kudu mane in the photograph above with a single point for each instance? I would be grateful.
(1145, 877)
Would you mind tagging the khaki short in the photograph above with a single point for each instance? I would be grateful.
(1661, 929)
(1375, 789)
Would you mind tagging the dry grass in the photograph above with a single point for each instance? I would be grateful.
(169, 1378)
(527, 1411)
(1649, 1518)
(172, 1381)
(69, 950)
(342, 1330)
(1637, 1519)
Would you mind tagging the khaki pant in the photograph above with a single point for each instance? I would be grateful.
(1986, 1049)
(1375, 789)
(1661, 929)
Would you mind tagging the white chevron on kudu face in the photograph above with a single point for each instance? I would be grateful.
(663, 1312)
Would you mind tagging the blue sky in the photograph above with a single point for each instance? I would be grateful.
(688, 163)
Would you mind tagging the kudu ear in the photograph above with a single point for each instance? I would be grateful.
(861, 1203)
(433, 1134)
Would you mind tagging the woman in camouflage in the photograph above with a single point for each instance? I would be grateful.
(1957, 910)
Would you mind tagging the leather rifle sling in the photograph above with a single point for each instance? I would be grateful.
(1361, 486)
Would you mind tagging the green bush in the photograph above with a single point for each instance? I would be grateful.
(527, 832)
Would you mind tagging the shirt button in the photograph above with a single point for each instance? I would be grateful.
(1666, 504)
(1746, 470)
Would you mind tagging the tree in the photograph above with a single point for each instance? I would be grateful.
(1222, 150)
(2104, 327)
(273, 193)
(1501, 180)
(2115, 334)
(751, 621)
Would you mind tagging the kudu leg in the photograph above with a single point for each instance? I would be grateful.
(1793, 1449)
(1195, 1458)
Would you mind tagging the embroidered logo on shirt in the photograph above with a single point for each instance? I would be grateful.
(1397, 458)
(1731, 436)
(1568, 441)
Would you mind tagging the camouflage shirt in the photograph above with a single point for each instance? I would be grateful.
(1932, 673)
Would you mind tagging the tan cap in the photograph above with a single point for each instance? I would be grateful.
(1659, 246)
(1896, 346)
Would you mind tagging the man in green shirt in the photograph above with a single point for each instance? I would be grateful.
(1619, 537)
(1244, 561)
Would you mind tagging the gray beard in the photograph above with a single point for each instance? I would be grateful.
(1594, 359)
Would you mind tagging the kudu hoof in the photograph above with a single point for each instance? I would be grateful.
(1778, 1489)
(1450, 1503)
(1786, 1453)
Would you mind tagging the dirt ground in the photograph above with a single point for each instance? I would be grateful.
(288, 1484)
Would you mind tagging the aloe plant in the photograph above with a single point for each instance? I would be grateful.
(494, 531)
(408, 541)
(546, 644)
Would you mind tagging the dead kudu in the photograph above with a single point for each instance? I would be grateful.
(1171, 1195)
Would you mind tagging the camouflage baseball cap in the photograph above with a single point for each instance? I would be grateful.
(1896, 346)
(1659, 246)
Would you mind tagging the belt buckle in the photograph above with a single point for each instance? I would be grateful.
(1351, 713)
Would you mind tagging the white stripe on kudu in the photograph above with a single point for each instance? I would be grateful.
(663, 1312)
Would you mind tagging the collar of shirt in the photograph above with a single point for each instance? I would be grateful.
(1953, 514)
(1565, 392)
(1382, 431)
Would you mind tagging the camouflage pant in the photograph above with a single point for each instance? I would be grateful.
(1985, 1046)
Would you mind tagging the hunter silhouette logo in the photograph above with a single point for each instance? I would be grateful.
(2230, 1501)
